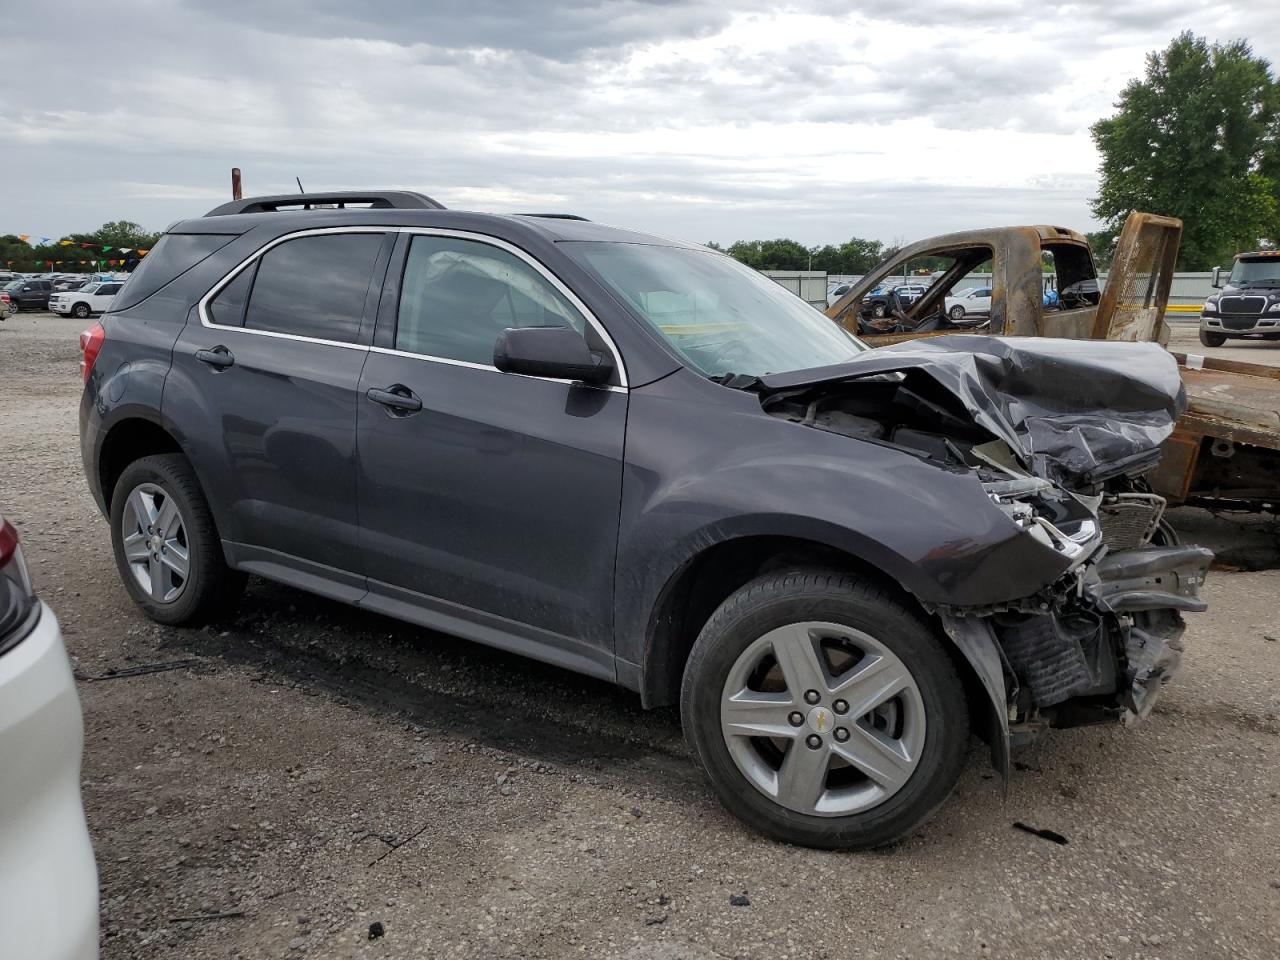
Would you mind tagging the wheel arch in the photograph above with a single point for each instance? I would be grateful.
(128, 440)
(706, 579)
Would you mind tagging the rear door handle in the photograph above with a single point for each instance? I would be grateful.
(219, 357)
(397, 398)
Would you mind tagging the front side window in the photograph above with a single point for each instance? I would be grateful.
(314, 286)
(457, 296)
(722, 317)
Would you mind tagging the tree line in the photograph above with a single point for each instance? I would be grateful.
(117, 234)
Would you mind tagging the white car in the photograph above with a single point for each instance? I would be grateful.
(48, 878)
(90, 299)
(974, 300)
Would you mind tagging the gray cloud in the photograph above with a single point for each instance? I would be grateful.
(703, 120)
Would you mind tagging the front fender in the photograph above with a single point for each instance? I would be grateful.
(731, 471)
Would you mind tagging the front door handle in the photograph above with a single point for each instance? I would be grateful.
(219, 357)
(397, 398)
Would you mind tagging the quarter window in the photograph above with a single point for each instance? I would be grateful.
(457, 296)
(227, 308)
(314, 286)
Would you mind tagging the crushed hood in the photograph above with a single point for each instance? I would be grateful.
(1071, 410)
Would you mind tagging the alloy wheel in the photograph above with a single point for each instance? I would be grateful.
(155, 542)
(823, 719)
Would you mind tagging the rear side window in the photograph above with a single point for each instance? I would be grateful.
(172, 256)
(314, 286)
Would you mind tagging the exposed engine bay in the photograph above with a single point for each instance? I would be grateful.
(1060, 435)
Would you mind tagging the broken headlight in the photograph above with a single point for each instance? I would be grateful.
(1057, 519)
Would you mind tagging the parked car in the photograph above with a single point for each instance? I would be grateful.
(90, 299)
(974, 300)
(881, 301)
(1249, 304)
(642, 460)
(29, 294)
(48, 879)
(837, 290)
(70, 283)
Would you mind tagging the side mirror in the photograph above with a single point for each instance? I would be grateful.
(559, 352)
(1216, 283)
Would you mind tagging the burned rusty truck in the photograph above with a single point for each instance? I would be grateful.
(1225, 449)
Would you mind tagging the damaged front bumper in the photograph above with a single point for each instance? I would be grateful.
(1098, 646)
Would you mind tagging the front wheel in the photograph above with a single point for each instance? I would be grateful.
(879, 310)
(956, 312)
(1212, 339)
(80, 311)
(824, 711)
(166, 544)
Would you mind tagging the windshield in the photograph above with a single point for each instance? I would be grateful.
(1261, 272)
(720, 316)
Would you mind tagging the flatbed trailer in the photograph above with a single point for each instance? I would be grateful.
(1225, 449)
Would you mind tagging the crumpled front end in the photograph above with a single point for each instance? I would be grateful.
(1060, 435)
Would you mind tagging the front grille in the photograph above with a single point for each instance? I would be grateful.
(1252, 305)
(1129, 521)
(1238, 323)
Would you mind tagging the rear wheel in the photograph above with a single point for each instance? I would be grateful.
(166, 544)
(1212, 339)
(823, 711)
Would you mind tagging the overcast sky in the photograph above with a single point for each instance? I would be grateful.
(704, 121)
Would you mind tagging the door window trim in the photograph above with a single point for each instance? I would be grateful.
(202, 307)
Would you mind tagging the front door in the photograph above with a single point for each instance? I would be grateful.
(488, 501)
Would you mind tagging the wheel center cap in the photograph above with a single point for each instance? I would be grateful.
(156, 542)
(820, 720)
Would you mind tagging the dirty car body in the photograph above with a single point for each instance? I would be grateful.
(643, 461)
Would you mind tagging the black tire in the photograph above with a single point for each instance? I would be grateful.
(778, 599)
(956, 312)
(211, 588)
(1212, 339)
(879, 310)
(80, 311)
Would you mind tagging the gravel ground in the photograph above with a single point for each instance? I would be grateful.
(313, 770)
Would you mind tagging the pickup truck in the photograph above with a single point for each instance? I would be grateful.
(90, 299)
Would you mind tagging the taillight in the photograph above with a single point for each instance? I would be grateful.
(16, 597)
(90, 344)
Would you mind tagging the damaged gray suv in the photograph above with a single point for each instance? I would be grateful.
(640, 460)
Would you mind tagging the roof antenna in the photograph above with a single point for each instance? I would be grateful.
(299, 179)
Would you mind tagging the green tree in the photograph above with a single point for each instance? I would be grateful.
(1198, 137)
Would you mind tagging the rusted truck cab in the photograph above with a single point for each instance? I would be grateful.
(1226, 448)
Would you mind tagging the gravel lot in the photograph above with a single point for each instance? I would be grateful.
(313, 770)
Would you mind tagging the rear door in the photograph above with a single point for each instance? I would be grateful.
(489, 503)
(263, 389)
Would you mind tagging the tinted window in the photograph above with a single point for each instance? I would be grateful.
(314, 286)
(227, 308)
(458, 295)
(173, 255)
(107, 288)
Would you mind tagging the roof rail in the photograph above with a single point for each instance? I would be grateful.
(377, 199)
(555, 216)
